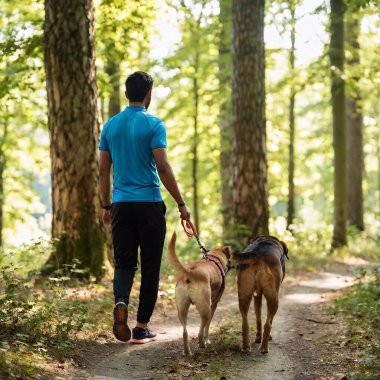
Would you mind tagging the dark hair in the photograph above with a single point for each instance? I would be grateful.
(137, 86)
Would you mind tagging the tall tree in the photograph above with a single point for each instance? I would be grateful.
(113, 71)
(250, 189)
(336, 53)
(74, 130)
(225, 120)
(196, 140)
(354, 120)
(291, 196)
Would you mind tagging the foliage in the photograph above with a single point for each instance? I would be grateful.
(30, 317)
(360, 307)
(195, 59)
(23, 134)
(122, 38)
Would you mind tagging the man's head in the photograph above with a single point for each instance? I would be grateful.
(138, 88)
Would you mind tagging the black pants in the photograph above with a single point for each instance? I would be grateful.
(138, 224)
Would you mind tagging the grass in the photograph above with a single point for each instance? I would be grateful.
(360, 308)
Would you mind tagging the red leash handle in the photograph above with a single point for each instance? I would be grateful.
(189, 228)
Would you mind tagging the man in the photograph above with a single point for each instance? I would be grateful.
(134, 142)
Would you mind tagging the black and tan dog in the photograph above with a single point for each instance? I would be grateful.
(200, 283)
(261, 272)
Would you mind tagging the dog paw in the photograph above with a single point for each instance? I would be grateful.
(258, 339)
(263, 350)
(207, 342)
(246, 350)
(187, 353)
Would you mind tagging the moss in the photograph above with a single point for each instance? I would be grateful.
(89, 249)
(86, 254)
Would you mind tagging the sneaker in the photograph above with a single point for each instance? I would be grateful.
(141, 336)
(120, 325)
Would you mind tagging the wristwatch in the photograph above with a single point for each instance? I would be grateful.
(108, 207)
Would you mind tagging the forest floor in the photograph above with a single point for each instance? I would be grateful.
(309, 342)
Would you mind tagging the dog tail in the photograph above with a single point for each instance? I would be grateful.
(176, 264)
(244, 258)
(172, 257)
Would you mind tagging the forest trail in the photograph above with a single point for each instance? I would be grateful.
(308, 342)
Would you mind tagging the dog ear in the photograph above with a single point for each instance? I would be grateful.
(227, 251)
(285, 249)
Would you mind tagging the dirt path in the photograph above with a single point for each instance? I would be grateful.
(308, 342)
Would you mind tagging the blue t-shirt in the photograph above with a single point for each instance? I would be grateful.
(130, 137)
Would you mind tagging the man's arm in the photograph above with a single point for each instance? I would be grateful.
(105, 182)
(168, 179)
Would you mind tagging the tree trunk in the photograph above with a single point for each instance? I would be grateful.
(195, 146)
(2, 168)
(74, 130)
(250, 189)
(354, 120)
(113, 71)
(291, 196)
(225, 119)
(336, 53)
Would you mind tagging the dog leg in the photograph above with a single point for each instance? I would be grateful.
(183, 305)
(213, 308)
(205, 313)
(244, 302)
(272, 304)
(257, 301)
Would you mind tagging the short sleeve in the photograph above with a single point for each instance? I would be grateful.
(159, 136)
(103, 144)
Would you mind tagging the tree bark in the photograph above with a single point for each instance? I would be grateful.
(354, 120)
(225, 119)
(291, 196)
(74, 131)
(250, 189)
(113, 72)
(336, 53)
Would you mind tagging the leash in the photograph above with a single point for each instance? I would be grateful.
(191, 231)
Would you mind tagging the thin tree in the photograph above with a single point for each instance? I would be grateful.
(3, 162)
(250, 189)
(354, 120)
(195, 141)
(336, 53)
(113, 71)
(292, 101)
(225, 120)
(74, 128)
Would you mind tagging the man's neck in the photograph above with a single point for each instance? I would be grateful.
(136, 104)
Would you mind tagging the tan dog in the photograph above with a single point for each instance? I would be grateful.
(201, 283)
(261, 272)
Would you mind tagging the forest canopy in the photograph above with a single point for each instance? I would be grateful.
(186, 46)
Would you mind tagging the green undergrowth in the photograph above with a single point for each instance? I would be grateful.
(44, 320)
(310, 250)
(360, 308)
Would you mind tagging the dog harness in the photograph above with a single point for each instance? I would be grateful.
(191, 231)
(215, 260)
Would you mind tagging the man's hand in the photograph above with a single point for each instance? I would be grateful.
(106, 217)
(184, 211)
